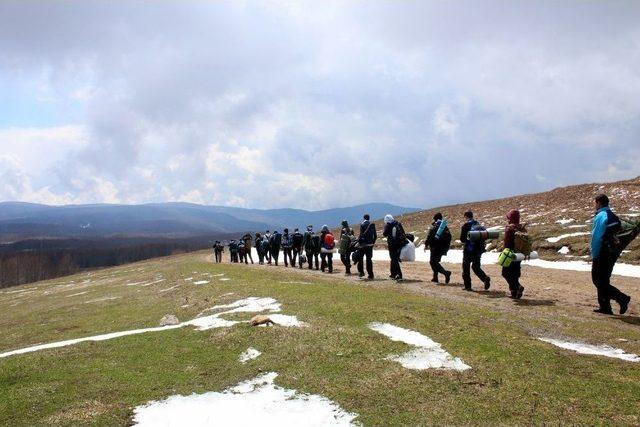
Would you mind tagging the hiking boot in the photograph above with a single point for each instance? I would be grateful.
(520, 292)
(447, 277)
(370, 277)
(361, 275)
(624, 305)
(434, 281)
(487, 283)
(398, 278)
(603, 311)
(467, 289)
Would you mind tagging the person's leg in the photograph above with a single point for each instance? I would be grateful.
(310, 259)
(434, 263)
(323, 261)
(360, 263)
(316, 257)
(508, 274)
(369, 255)
(466, 269)
(599, 279)
(330, 262)
(250, 256)
(476, 266)
(395, 262)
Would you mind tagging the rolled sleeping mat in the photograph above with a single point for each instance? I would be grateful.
(483, 235)
(443, 225)
(522, 257)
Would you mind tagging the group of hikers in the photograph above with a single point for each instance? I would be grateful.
(315, 250)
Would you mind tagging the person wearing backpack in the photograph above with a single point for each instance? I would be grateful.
(287, 243)
(511, 273)
(233, 250)
(275, 244)
(396, 239)
(346, 239)
(247, 239)
(366, 241)
(309, 247)
(258, 245)
(327, 243)
(218, 249)
(438, 247)
(604, 255)
(242, 252)
(266, 247)
(296, 243)
(472, 253)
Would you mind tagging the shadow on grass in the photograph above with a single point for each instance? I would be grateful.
(535, 302)
(493, 294)
(632, 320)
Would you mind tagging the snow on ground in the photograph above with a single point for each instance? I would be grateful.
(188, 279)
(565, 221)
(564, 250)
(564, 236)
(598, 350)
(168, 289)
(76, 294)
(257, 402)
(225, 279)
(101, 299)
(251, 353)
(428, 354)
(247, 305)
(454, 256)
(577, 226)
(201, 282)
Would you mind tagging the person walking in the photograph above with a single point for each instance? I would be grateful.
(328, 244)
(396, 239)
(276, 243)
(472, 253)
(248, 244)
(266, 247)
(366, 241)
(287, 244)
(346, 239)
(604, 256)
(296, 243)
(512, 273)
(259, 250)
(218, 249)
(438, 247)
(233, 251)
(309, 247)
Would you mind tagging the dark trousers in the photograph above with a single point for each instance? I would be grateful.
(218, 256)
(275, 253)
(297, 257)
(243, 258)
(234, 256)
(512, 275)
(601, 270)
(248, 254)
(471, 261)
(394, 265)
(267, 256)
(434, 261)
(260, 256)
(310, 256)
(366, 252)
(326, 262)
(346, 261)
(288, 259)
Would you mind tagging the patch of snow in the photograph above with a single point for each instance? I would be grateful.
(564, 236)
(564, 250)
(577, 226)
(134, 284)
(428, 354)
(101, 299)
(632, 214)
(257, 402)
(597, 350)
(152, 283)
(296, 283)
(217, 275)
(201, 282)
(188, 279)
(565, 221)
(251, 353)
(224, 279)
(185, 305)
(76, 294)
(168, 289)
(286, 320)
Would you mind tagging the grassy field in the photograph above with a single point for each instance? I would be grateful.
(515, 378)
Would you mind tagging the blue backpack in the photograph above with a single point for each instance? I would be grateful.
(479, 246)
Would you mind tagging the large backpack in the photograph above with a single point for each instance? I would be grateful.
(445, 241)
(297, 240)
(522, 243)
(315, 240)
(477, 246)
(329, 241)
(276, 240)
(398, 236)
(619, 233)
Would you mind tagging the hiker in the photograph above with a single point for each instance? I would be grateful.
(366, 240)
(266, 246)
(258, 245)
(604, 255)
(346, 239)
(218, 248)
(287, 242)
(511, 273)
(276, 243)
(327, 243)
(247, 246)
(296, 244)
(438, 243)
(242, 251)
(472, 253)
(233, 250)
(309, 247)
(396, 239)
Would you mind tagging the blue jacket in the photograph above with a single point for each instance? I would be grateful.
(603, 220)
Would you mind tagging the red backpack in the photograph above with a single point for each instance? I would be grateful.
(329, 241)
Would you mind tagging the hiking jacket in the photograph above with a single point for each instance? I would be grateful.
(437, 245)
(368, 234)
(286, 241)
(346, 237)
(247, 240)
(275, 241)
(470, 246)
(297, 240)
(604, 223)
(307, 241)
(512, 227)
(393, 242)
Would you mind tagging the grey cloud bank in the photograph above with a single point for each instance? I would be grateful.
(277, 104)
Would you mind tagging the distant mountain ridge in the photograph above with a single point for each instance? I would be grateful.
(20, 220)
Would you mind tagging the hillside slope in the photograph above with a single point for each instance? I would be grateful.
(551, 214)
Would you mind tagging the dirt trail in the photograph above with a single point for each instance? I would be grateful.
(543, 287)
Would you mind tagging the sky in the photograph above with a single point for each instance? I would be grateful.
(307, 104)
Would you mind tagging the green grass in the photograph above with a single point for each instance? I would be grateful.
(515, 379)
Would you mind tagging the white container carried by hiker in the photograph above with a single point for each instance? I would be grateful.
(408, 252)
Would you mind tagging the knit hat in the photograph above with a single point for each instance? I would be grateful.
(388, 219)
(325, 229)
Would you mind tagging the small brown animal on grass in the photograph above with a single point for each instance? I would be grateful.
(261, 319)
